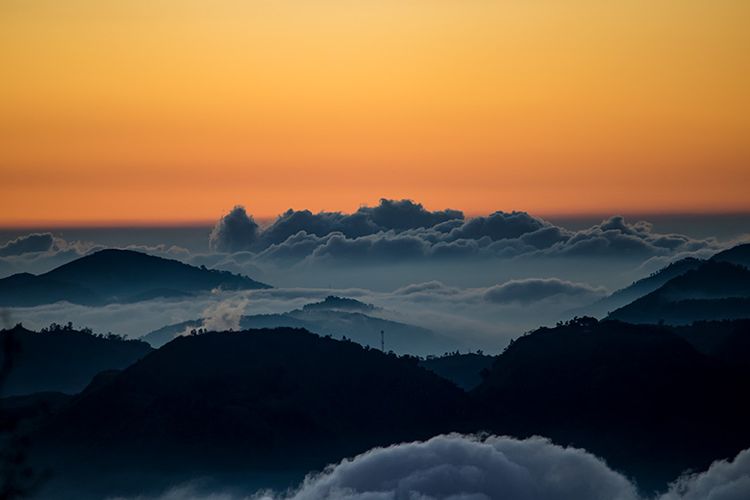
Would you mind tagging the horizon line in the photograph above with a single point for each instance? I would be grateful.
(202, 223)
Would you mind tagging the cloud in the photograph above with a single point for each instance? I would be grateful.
(31, 243)
(467, 467)
(234, 232)
(222, 316)
(531, 290)
(724, 480)
(402, 230)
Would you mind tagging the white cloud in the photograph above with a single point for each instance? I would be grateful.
(461, 467)
(724, 480)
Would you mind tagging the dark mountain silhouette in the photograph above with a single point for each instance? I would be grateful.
(713, 291)
(274, 404)
(63, 359)
(739, 255)
(334, 303)
(637, 289)
(364, 329)
(109, 276)
(639, 396)
(273, 400)
(728, 341)
(464, 370)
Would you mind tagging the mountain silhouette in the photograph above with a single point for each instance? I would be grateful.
(334, 303)
(338, 318)
(739, 255)
(637, 289)
(713, 291)
(639, 396)
(112, 276)
(281, 399)
(728, 341)
(464, 370)
(62, 359)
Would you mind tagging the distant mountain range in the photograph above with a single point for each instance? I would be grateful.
(714, 290)
(117, 276)
(739, 255)
(721, 302)
(335, 316)
(638, 289)
(62, 359)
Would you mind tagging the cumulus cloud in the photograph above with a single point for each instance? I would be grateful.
(31, 243)
(724, 480)
(401, 230)
(533, 289)
(234, 232)
(466, 467)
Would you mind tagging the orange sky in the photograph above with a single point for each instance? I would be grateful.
(175, 110)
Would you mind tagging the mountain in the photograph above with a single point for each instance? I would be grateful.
(739, 255)
(61, 359)
(110, 276)
(728, 341)
(334, 303)
(330, 318)
(260, 400)
(713, 291)
(639, 396)
(638, 289)
(464, 370)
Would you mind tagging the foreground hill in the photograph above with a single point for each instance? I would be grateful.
(464, 370)
(109, 276)
(280, 399)
(713, 291)
(62, 359)
(337, 317)
(639, 396)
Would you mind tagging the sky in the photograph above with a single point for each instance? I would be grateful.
(173, 111)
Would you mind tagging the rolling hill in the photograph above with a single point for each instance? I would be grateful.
(112, 276)
(337, 317)
(268, 400)
(62, 359)
(638, 395)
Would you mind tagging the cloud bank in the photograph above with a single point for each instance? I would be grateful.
(404, 230)
(395, 232)
(459, 467)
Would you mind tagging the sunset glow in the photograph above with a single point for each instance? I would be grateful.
(174, 111)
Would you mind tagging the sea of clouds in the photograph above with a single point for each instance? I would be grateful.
(483, 279)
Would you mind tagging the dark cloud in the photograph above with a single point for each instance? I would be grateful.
(234, 232)
(389, 215)
(531, 290)
(498, 226)
(405, 214)
(31, 243)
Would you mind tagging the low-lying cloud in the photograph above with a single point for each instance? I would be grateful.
(461, 467)
(404, 230)
(302, 248)
(532, 290)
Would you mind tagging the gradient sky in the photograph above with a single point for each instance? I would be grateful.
(175, 110)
